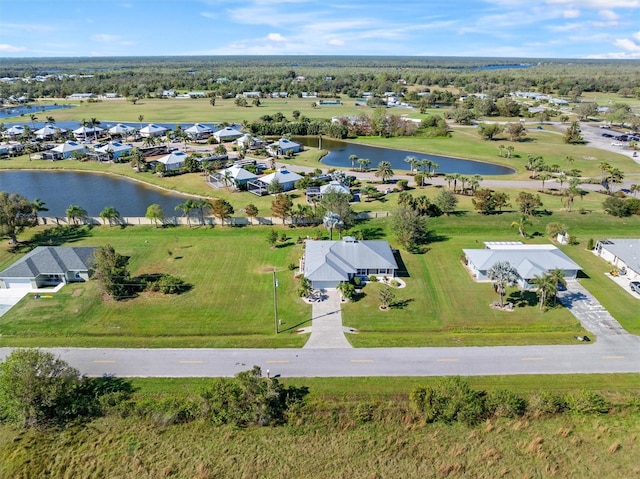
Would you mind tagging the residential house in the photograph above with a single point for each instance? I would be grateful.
(152, 130)
(122, 130)
(327, 263)
(81, 96)
(64, 151)
(315, 193)
(48, 266)
(48, 131)
(531, 261)
(115, 149)
(283, 146)
(88, 132)
(234, 175)
(199, 132)
(283, 176)
(621, 253)
(227, 134)
(173, 160)
(15, 131)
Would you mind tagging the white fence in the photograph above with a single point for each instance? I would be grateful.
(196, 220)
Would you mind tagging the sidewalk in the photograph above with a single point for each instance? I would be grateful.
(326, 324)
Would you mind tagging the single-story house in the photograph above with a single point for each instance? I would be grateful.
(122, 130)
(283, 176)
(327, 263)
(248, 142)
(48, 131)
(115, 149)
(622, 253)
(152, 130)
(14, 131)
(529, 260)
(173, 160)
(199, 132)
(227, 134)
(48, 266)
(315, 193)
(64, 150)
(235, 174)
(283, 146)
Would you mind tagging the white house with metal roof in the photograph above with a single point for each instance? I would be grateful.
(173, 160)
(529, 260)
(283, 146)
(235, 175)
(227, 134)
(48, 266)
(48, 131)
(622, 253)
(115, 149)
(64, 150)
(152, 130)
(199, 131)
(283, 176)
(327, 263)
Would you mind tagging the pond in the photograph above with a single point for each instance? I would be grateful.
(91, 191)
(340, 151)
(30, 109)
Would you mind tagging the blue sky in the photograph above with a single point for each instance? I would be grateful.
(493, 28)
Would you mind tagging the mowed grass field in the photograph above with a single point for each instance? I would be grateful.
(231, 300)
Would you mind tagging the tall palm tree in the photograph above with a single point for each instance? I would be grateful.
(503, 275)
(463, 180)
(51, 120)
(558, 278)
(33, 118)
(561, 178)
(413, 162)
(384, 171)
(433, 168)
(187, 207)
(76, 213)
(604, 167)
(38, 206)
(353, 159)
(363, 162)
(456, 178)
(544, 177)
(449, 177)
(547, 286)
(202, 205)
(110, 214)
(510, 150)
(634, 188)
(94, 123)
(140, 118)
(330, 221)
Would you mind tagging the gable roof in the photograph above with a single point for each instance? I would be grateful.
(528, 260)
(174, 158)
(239, 174)
(335, 260)
(628, 250)
(68, 146)
(50, 260)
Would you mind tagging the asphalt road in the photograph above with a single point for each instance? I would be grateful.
(622, 356)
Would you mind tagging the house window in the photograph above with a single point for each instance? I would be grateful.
(361, 272)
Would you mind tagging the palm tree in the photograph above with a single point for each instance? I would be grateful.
(38, 206)
(330, 221)
(137, 160)
(570, 161)
(547, 286)
(51, 120)
(384, 171)
(503, 275)
(463, 180)
(33, 118)
(561, 178)
(510, 150)
(110, 214)
(615, 176)
(353, 159)
(474, 183)
(202, 206)
(634, 188)
(75, 213)
(456, 177)
(433, 168)
(501, 150)
(449, 178)
(522, 222)
(94, 123)
(604, 167)
(140, 118)
(413, 162)
(187, 207)
(544, 177)
(558, 277)
(363, 162)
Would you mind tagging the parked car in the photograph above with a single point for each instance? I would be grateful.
(607, 135)
(635, 286)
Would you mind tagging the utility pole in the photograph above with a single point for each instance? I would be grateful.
(275, 301)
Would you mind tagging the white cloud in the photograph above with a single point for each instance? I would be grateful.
(571, 13)
(336, 42)
(276, 37)
(628, 45)
(636, 36)
(6, 48)
(608, 15)
(104, 38)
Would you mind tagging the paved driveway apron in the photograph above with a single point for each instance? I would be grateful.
(326, 323)
(593, 316)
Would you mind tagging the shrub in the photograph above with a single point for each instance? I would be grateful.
(364, 412)
(586, 402)
(449, 400)
(373, 278)
(402, 184)
(168, 284)
(394, 283)
(292, 266)
(590, 244)
(505, 403)
(545, 403)
(357, 281)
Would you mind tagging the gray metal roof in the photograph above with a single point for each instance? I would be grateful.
(529, 261)
(50, 260)
(335, 260)
(628, 250)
